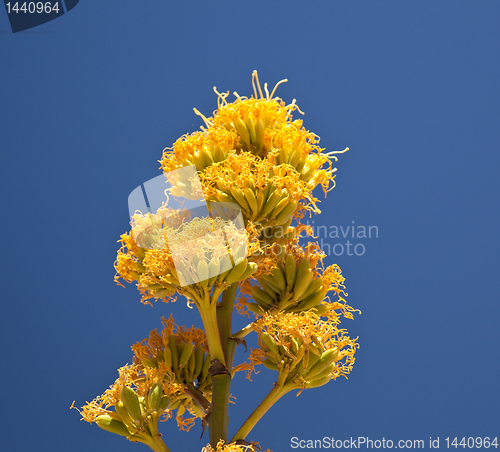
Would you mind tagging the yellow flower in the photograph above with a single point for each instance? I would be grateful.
(183, 354)
(306, 350)
(298, 282)
(261, 188)
(154, 345)
(190, 251)
(233, 447)
(177, 359)
(251, 152)
(140, 380)
(201, 149)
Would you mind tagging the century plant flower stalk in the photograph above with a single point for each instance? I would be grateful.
(250, 154)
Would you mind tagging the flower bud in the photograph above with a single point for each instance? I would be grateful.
(164, 402)
(131, 403)
(112, 425)
(323, 362)
(268, 341)
(318, 383)
(149, 362)
(155, 395)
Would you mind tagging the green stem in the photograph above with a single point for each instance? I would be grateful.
(225, 321)
(274, 395)
(218, 421)
(191, 293)
(244, 331)
(209, 318)
(217, 291)
(157, 444)
(198, 396)
(221, 383)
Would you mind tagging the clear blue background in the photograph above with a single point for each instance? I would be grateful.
(89, 101)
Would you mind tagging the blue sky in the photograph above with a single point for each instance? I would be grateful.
(90, 100)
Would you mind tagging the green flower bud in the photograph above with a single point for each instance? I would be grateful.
(205, 369)
(167, 357)
(325, 372)
(131, 403)
(268, 341)
(254, 307)
(199, 355)
(324, 361)
(138, 267)
(313, 288)
(124, 415)
(202, 271)
(112, 425)
(270, 364)
(149, 362)
(236, 272)
(249, 271)
(164, 402)
(173, 352)
(154, 396)
(187, 349)
(318, 383)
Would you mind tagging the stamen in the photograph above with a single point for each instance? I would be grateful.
(256, 77)
(267, 92)
(221, 97)
(293, 106)
(253, 85)
(278, 84)
(331, 153)
(208, 123)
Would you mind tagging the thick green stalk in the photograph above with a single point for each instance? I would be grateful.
(221, 382)
(225, 322)
(274, 395)
(209, 318)
(218, 421)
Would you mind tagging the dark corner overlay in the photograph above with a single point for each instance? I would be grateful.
(29, 14)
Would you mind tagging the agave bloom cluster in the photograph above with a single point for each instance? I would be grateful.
(132, 406)
(253, 155)
(306, 350)
(233, 447)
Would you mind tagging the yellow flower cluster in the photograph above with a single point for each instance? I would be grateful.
(129, 375)
(139, 398)
(234, 447)
(305, 349)
(177, 359)
(251, 153)
(183, 353)
(195, 250)
(298, 282)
